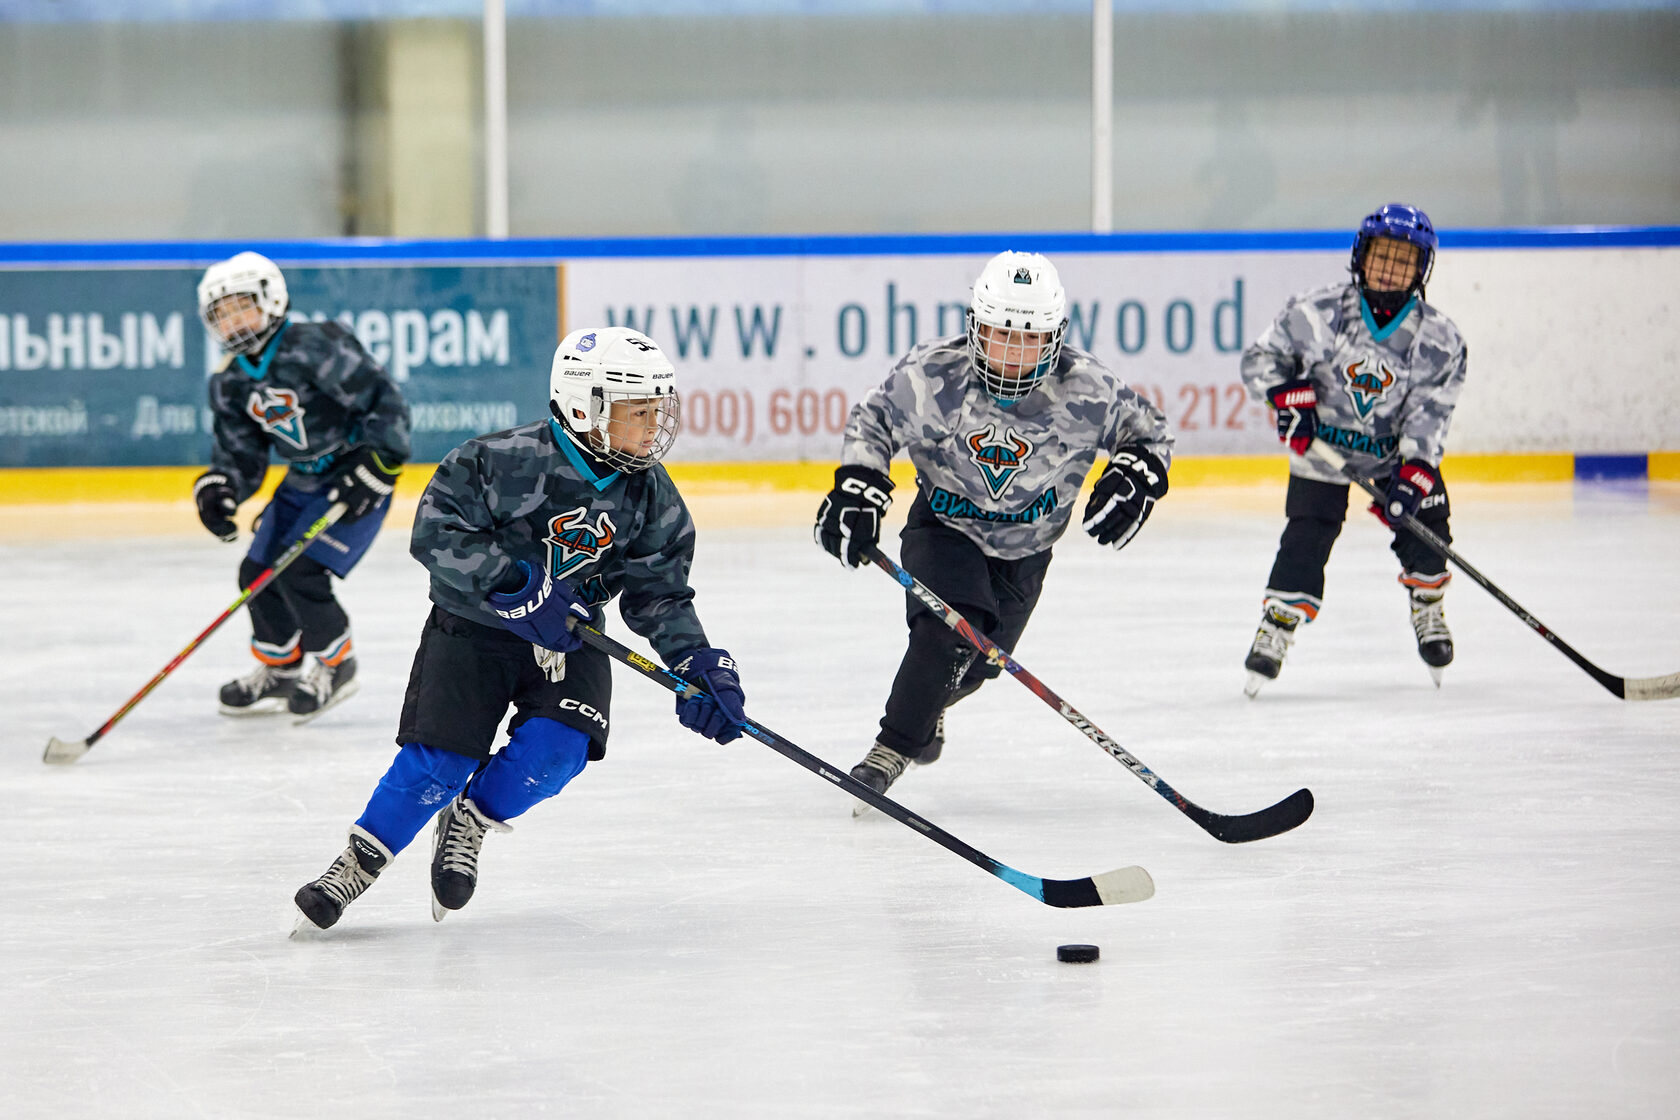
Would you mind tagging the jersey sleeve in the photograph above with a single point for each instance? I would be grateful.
(1275, 357)
(1134, 419)
(368, 393)
(239, 446)
(1438, 373)
(880, 423)
(657, 601)
(454, 531)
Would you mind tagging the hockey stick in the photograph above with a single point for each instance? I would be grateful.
(1289, 813)
(1125, 884)
(62, 751)
(1638, 688)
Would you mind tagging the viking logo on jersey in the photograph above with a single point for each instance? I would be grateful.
(573, 542)
(278, 412)
(1365, 387)
(999, 459)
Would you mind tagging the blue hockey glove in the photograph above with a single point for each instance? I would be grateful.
(541, 611)
(718, 714)
(1124, 495)
(1413, 481)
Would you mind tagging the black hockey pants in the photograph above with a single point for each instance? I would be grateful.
(1316, 511)
(299, 604)
(939, 666)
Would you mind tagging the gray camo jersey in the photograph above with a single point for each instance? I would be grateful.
(515, 495)
(1378, 402)
(319, 396)
(1006, 478)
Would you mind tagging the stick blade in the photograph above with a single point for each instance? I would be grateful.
(1652, 688)
(1291, 812)
(1111, 888)
(62, 753)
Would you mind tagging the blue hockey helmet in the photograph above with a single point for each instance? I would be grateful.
(1403, 223)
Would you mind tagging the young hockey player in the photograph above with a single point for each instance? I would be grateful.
(1372, 369)
(522, 531)
(1002, 424)
(310, 393)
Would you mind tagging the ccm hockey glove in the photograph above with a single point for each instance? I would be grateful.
(363, 482)
(214, 496)
(1124, 495)
(541, 610)
(1296, 403)
(718, 714)
(849, 520)
(1413, 481)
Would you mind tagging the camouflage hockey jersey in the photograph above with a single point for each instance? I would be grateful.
(528, 494)
(313, 395)
(1006, 478)
(1382, 395)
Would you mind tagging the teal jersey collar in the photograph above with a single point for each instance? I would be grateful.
(1380, 334)
(259, 370)
(575, 457)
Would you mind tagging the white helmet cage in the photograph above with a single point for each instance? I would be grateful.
(596, 368)
(1019, 302)
(244, 281)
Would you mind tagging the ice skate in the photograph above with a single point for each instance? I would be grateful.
(1271, 642)
(264, 691)
(321, 903)
(880, 768)
(455, 846)
(324, 686)
(1434, 640)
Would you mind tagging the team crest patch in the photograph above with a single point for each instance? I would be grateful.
(1000, 458)
(1365, 386)
(573, 542)
(1023, 276)
(587, 342)
(278, 412)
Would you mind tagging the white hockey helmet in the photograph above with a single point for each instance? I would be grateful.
(244, 282)
(614, 393)
(1016, 320)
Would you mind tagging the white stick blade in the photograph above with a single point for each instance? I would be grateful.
(61, 753)
(1652, 688)
(1125, 884)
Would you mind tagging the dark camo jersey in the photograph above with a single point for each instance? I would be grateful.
(1379, 401)
(1006, 478)
(312, 395)
(516, 495)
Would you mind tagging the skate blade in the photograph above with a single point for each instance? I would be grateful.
(61, 753)
(338, 698)
(269, 706)
(302, 926)
(1255, 682)
(1436, 672)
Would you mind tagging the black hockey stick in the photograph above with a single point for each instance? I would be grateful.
(1285, 815)
(63, 751)
(1637, 688)
(1125, 884)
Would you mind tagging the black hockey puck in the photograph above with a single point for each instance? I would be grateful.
(1077, 954)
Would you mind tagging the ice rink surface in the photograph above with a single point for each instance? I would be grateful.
(1482, 919)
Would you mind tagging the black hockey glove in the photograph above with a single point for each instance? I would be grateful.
(1296, 403)
(364, 480)
(1124, 495)
(849, 520)
(216, 502)
(1411, 484)
(718, 714)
